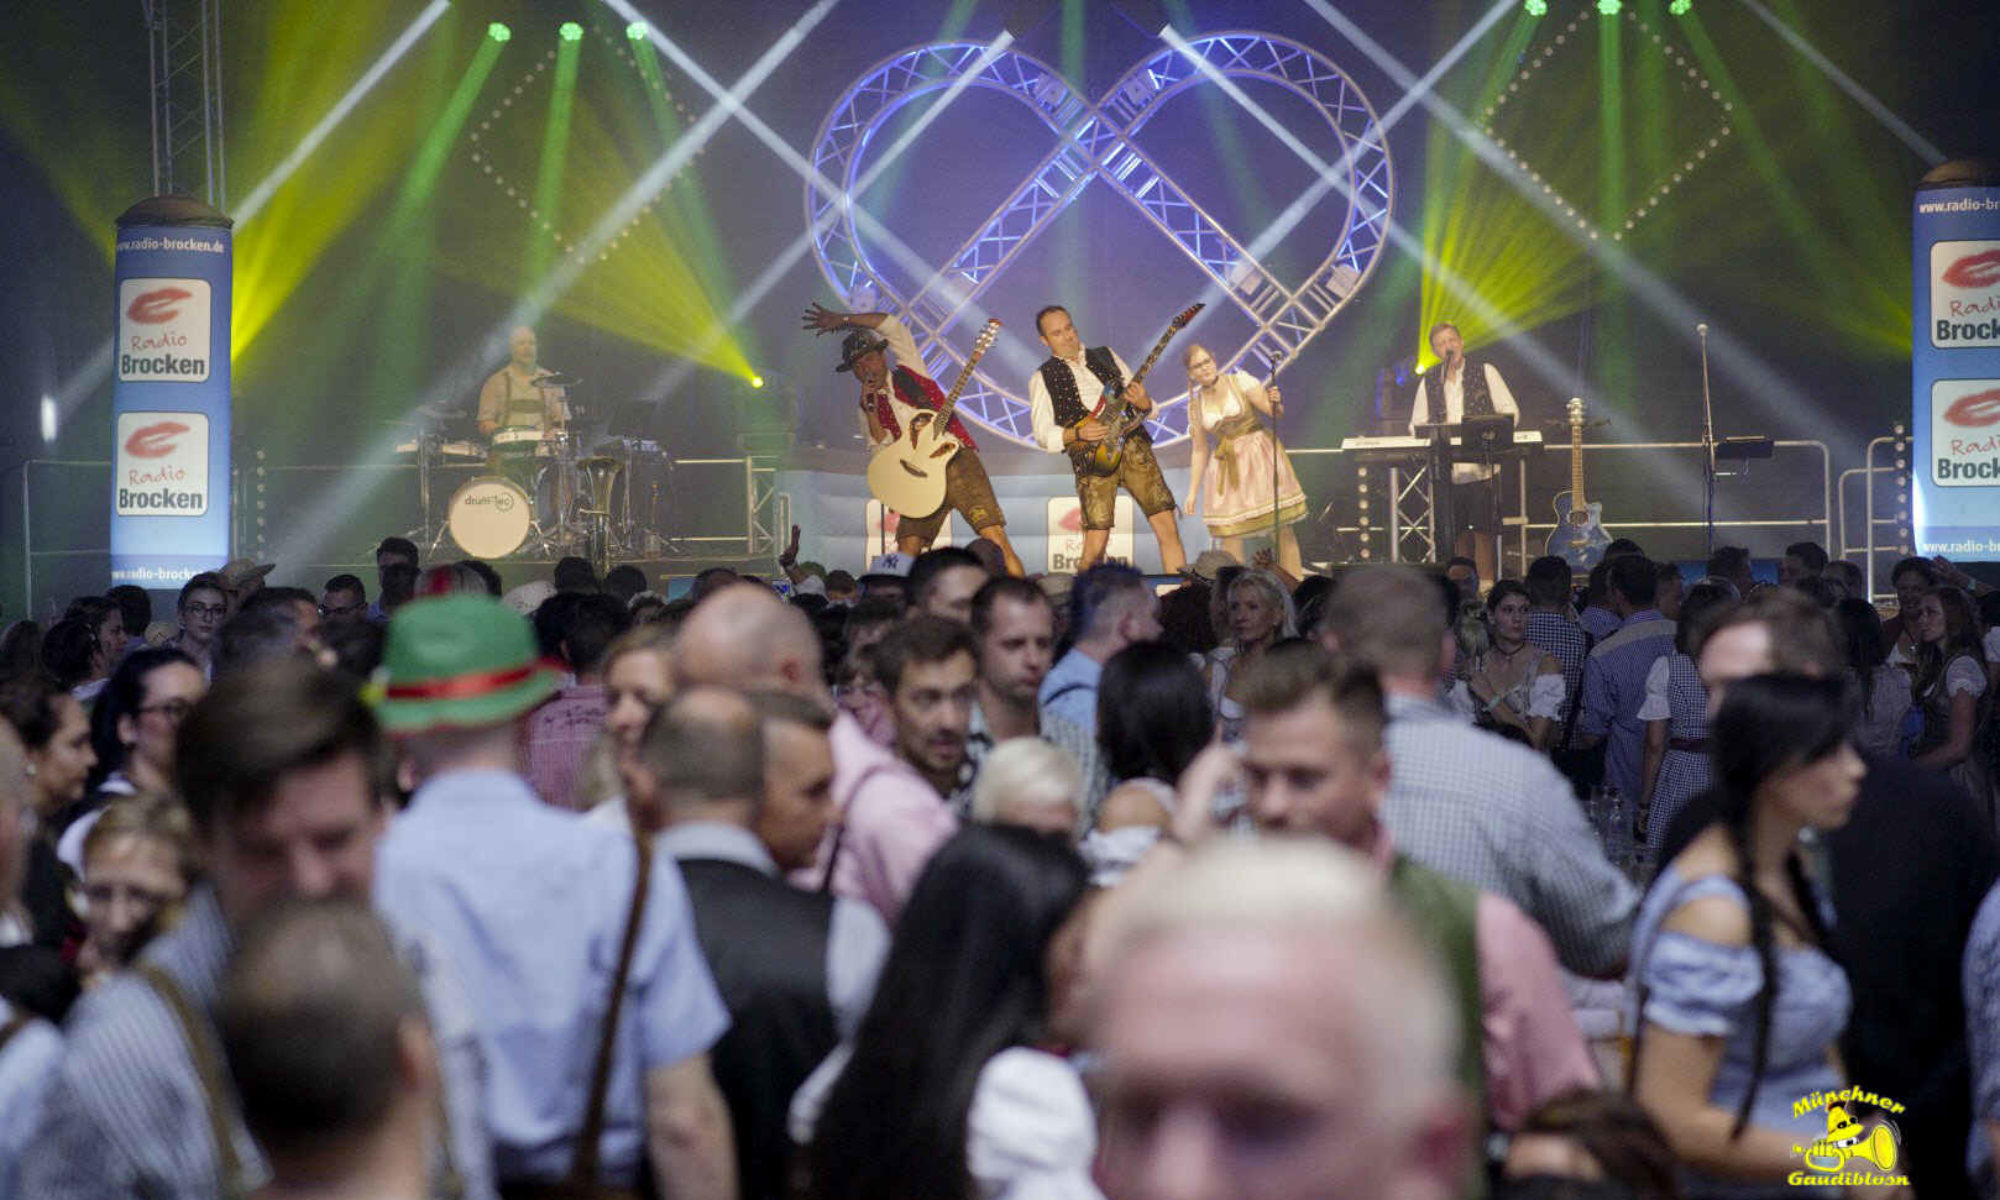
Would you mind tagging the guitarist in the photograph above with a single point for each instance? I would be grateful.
(966, 486)
(1456, 389)
(1066, 395)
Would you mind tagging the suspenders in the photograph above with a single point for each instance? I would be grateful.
(216, 1092)
(219, 1095)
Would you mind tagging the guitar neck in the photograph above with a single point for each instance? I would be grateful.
(964, 376)
(1159, 348)
(1576, 464)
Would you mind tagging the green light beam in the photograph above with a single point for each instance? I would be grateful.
(546, 217)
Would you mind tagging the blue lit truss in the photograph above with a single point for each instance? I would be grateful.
(1097, 141)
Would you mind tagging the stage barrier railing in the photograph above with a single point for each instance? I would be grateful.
(1874, 524)
(1521, 530)
(766, 519)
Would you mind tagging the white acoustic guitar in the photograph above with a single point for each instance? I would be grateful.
(907, 475)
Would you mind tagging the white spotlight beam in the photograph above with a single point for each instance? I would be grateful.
(1921, 146)
(97, 368)
(1544, 363)
(1296, 212)
(350, 492)
(1732, 357)
(262, 193)
(677, 373)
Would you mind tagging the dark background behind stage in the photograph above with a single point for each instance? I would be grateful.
(369, 283)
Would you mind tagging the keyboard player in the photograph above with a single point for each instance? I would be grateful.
(1459, 388)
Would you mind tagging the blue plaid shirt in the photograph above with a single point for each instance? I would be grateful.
(1614, 686)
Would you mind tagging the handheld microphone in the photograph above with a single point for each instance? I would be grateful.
(1702, 329)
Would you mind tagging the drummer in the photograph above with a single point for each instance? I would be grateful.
(512, 399)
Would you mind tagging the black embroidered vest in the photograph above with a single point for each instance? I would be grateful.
(766, 945)
(1478, 397)
(1064, 397)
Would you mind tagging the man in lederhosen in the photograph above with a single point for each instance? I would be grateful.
(1066, 396)
(865, 353)
(1459, 388)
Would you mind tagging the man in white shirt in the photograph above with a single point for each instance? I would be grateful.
(1460, 388)
(1066, 398)
(865, 353)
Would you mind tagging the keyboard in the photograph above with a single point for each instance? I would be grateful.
(1403, 442)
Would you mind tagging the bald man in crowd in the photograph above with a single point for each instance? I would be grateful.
(889, 820)
(514, 397)
(796, 968)
(333, 1058)
(1271, 1028)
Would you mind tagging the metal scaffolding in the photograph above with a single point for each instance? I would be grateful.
(184, 51)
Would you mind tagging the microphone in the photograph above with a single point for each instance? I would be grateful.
(1702, 329)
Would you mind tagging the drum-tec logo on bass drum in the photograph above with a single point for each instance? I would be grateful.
(1965, 294)
(163, 330)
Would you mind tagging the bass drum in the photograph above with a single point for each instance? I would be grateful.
(489, 517)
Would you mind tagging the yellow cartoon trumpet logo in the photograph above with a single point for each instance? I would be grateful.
(1846, 1139)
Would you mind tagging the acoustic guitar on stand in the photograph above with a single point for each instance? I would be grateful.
(1579, 538)
(1119, 418)
(907, 475)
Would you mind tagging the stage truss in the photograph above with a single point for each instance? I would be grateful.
(1097, 141)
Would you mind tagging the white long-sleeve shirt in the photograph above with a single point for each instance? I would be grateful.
(1042, 409)
(1454, 412)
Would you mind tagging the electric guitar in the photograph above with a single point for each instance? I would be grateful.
(1579, 538)
(907, 475)
(1119, 418)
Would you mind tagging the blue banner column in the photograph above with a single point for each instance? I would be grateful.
(170, 393)
(1955, 362)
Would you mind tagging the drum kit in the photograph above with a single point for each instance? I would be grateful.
(539, 493)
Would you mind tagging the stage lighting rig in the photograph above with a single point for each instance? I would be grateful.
(570, 31)
(1610, 8)
(1681, 8)
(1537, 8)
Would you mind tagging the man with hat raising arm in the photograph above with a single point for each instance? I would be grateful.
(597, 1009)
(967, 488)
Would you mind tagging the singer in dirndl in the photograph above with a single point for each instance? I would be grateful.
(1239, 470)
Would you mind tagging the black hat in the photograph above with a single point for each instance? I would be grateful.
(858, 343)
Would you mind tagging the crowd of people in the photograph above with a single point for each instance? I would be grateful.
(935, 881)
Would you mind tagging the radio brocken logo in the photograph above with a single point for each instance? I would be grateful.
(1965, 294)
(1965, 432)
(162, 465)
(163, 327)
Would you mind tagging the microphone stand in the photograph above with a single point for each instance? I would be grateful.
(1707, 444)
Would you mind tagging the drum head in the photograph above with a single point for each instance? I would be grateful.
(489, 517)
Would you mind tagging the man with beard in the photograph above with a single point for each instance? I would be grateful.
(1013, 624)
(930, 668)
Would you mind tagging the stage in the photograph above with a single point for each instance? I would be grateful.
(1701, 220)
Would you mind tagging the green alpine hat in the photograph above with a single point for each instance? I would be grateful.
(459, 662)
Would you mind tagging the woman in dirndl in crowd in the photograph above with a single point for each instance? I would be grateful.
(1239, 470)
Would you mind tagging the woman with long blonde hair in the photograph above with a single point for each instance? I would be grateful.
(1238, 468)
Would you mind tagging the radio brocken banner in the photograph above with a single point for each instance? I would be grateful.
(170, 398)
(1955, 365)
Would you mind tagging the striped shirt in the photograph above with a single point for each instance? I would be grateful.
(127, 1115)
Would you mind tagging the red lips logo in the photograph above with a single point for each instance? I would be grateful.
(154, 441)
(157, 307)
(1974, 271)
(1975, 411)
(1072, 521)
